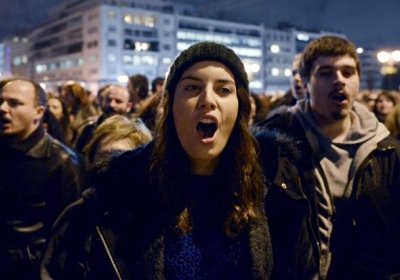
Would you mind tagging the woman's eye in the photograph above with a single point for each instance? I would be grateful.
(226, 90)
(191, 87)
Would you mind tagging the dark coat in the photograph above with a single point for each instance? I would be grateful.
(35, 186)
(117, 232)
(369, 240)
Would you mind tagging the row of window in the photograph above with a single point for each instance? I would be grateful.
(218, 29)
(223, 39)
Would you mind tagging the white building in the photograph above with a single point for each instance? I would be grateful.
(14, 57)
(98, 42)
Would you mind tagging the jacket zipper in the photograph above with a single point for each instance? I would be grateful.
(108, 252)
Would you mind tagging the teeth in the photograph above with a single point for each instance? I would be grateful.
(206, 121)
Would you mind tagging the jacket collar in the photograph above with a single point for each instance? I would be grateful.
(37, 145)
(42, 148)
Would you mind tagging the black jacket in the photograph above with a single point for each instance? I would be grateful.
(117, 231)
(369, 240)
(37, 180)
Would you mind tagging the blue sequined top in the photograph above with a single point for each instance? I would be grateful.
(206, 252)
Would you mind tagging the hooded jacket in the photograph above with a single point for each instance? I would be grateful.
(367, 232)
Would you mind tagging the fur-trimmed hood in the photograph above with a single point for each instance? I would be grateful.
(274, 145)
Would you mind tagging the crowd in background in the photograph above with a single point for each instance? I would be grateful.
(73, 108)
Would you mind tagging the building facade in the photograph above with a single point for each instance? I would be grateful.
(98, 42)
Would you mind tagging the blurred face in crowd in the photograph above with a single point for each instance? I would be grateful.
(20, 114)
(55, 107)
(107, 146)
(384, 105)
(117, 100)
(296, 84)
(333, 86)
(205, 110)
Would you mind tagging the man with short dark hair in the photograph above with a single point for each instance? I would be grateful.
(334, 205)
(157, 85)
(39, 176)
(138, 88)
(296, 92)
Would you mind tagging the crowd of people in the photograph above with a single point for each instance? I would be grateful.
(195, 177)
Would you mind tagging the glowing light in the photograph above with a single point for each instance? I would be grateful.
(383, 56)
(275, 72)
(122, 79)
(255, 68)
(396, 55)
(303, 37)
(360, 50)
(275, 48)
(287, 72)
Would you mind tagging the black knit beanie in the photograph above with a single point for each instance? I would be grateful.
(206, 51)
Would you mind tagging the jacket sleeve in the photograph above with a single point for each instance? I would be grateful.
(66, 252)
(67, 178)
(379, 226)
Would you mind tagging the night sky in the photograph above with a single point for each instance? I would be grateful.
(368, 23)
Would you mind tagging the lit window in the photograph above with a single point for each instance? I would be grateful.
(275, 48)
(111, 14)
(127, 59)
(287, 72)
(142, 46)
(275, 72)
(166, 60)
(254, 67)
(303, 37)
(128, 19)
(17, 60)
(255, 84)
(149, 21)
(111, 57)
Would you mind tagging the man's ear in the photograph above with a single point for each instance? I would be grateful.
(39, 112)
(129, 107)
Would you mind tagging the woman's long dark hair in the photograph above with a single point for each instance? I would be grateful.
(170, 169)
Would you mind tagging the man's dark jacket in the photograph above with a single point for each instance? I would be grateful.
(368, 232)
(38, 178)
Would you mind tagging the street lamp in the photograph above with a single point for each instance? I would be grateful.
(389, 60)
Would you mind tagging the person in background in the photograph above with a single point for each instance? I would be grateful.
(59, 110)
(392, 122)
(138, 88)
(187, 205)
(115, 135)
(260, 107)
(39, 176)
(149, 111)
(78, 105)
(384, 104)
(296, 92)
(115, 101)
(334, 205)
(100, 98)
(157, 86)
(53, 127)
(368, 98)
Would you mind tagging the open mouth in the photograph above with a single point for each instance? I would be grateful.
(206, 128)
(4, 121)
(339, 98)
